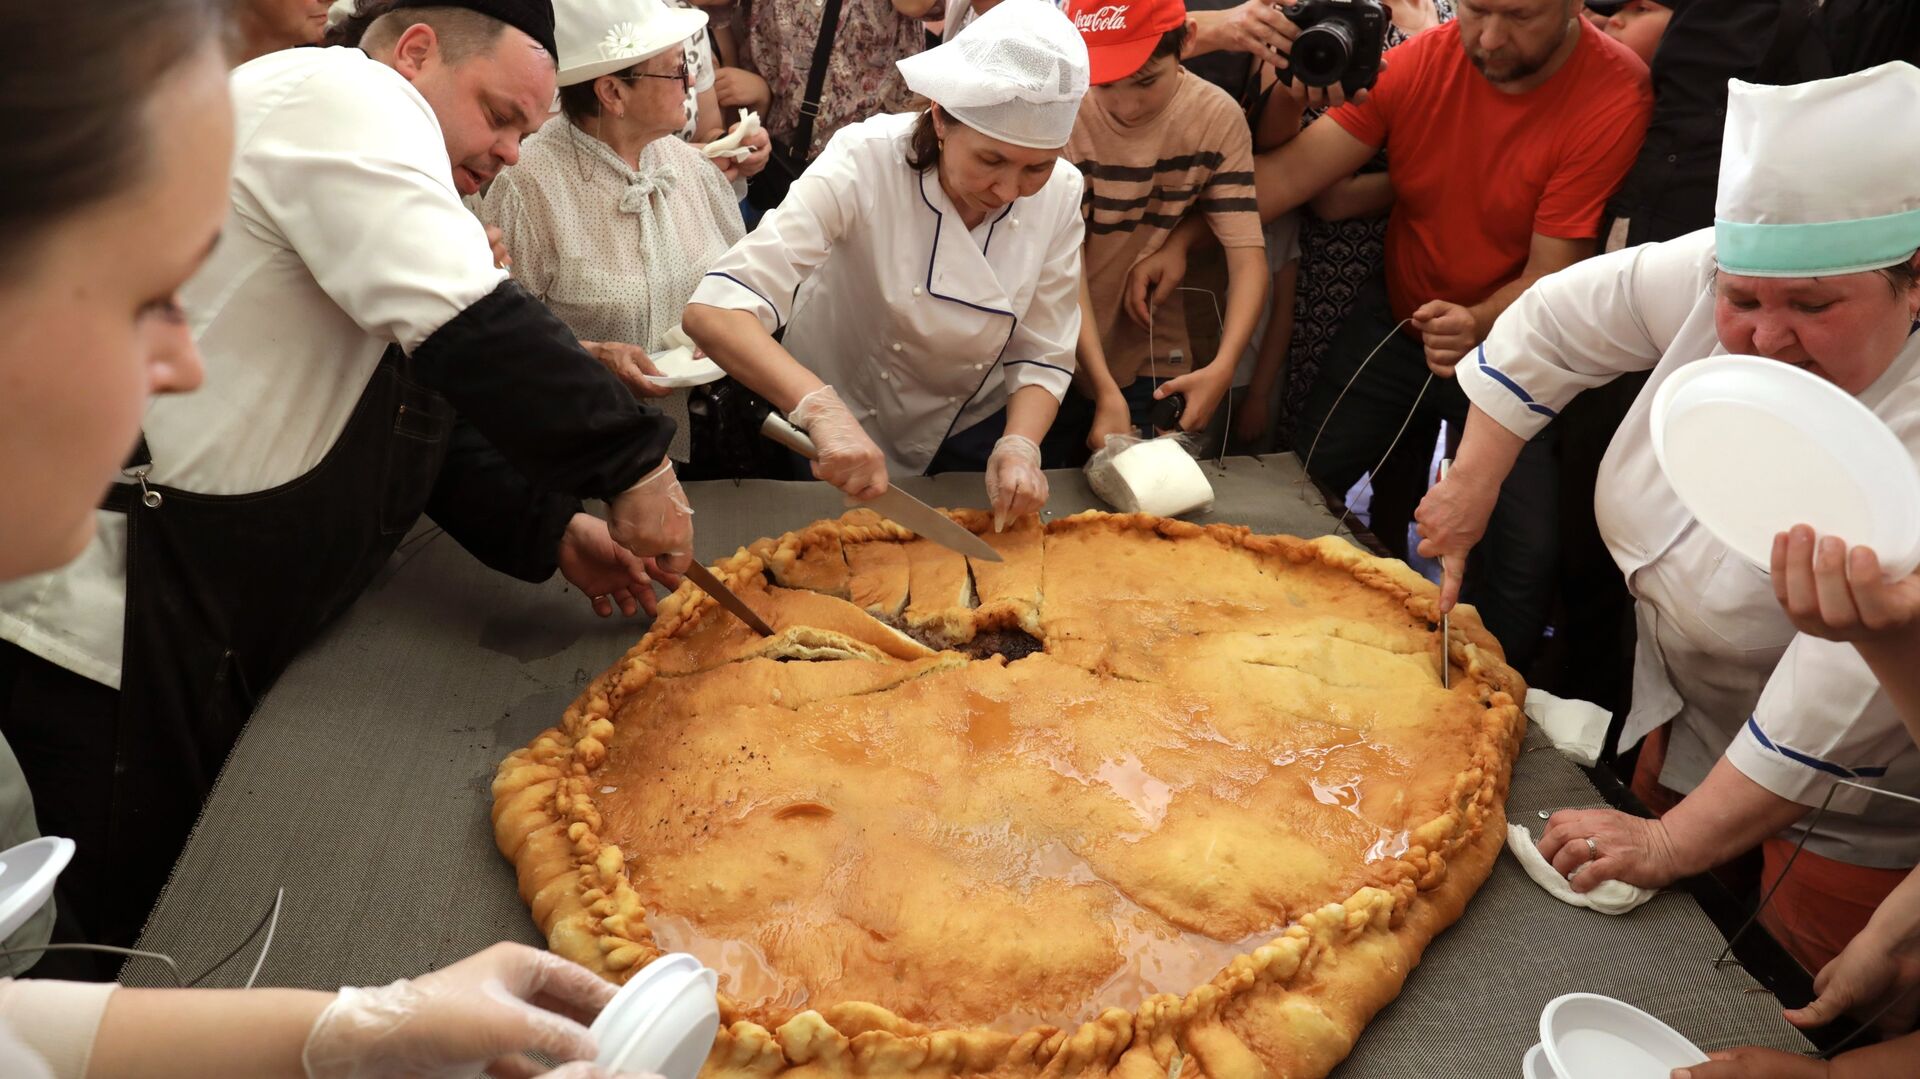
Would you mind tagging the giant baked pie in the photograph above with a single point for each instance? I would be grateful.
(1146, 798)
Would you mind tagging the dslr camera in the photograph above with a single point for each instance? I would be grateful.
(1339, 43)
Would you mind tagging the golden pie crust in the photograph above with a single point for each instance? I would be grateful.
(1160, 799)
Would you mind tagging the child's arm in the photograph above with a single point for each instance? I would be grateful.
(1369, 194)
(1279, 119)
(1246, 293)
(1110, 413)
(1888, 1060)
(1255, 414)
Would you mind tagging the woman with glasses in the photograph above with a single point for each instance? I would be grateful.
(608, 217)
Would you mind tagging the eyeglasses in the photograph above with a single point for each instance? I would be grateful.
(676, 76)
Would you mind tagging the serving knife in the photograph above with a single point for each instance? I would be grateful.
(1446, 657)
(894, 504)
(703, 577)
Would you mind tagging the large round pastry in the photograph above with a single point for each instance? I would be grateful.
(1145, 798)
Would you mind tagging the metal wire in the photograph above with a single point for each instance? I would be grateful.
(133, 953)
(273, 922)
(268, 921)
(1220, 330)
(1306, 465)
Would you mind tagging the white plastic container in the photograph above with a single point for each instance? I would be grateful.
(1588, 1036)
(663, 1021)
(27, 873)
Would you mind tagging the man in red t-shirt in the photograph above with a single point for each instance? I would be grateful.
(1505, 132)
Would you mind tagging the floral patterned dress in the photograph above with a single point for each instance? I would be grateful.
(861, 78)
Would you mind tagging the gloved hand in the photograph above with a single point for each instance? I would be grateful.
(479, 1013)
(1015, 484)
(847, 458)
(652, 518)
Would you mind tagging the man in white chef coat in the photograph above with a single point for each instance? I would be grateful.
(350, 309)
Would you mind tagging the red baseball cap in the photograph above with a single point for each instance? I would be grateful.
(1120, 36)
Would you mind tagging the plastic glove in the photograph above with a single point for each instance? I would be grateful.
(481, 1012)
(652, 518)
(847, 458)
(1015, 484)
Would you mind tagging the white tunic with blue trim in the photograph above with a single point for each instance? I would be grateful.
(1716, 654)
(923, 326)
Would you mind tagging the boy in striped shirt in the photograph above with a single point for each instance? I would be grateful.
(1156, 143)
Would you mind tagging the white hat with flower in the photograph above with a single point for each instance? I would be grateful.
(600, 37)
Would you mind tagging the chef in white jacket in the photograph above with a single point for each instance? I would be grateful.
(923, 274)
(1811, 261)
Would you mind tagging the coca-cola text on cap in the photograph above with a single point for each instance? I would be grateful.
(1120, 37)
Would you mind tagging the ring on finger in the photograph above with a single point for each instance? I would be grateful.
(1593, 849)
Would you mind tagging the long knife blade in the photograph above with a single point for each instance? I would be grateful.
(895, 505)
(928, 523)
(708, 583)
(1446, 638)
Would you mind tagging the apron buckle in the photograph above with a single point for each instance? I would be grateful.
(148, 496)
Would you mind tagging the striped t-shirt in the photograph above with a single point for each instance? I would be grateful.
(1198, 153)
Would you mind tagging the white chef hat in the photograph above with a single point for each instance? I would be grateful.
(1822, 178)
(1016, 74)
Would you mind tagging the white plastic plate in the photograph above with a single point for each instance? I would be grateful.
(27, 873)
(1754, 446)
(681, 369)
(1534, 1065)
(1588, 1036)
(663, 1021)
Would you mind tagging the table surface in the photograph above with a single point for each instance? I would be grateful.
(361, 787)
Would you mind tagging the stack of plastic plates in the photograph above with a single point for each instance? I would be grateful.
(680, 368)
(1587, 1036)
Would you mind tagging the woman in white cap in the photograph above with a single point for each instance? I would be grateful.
(609, 219)
(1812, 261)
(924, 273)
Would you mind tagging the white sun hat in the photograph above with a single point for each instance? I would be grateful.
(600, 37)
(1822, 178)
(1016, 74)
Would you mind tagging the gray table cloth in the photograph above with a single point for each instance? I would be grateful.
(361, 787)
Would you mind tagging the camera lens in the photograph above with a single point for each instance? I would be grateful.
(1322, 52)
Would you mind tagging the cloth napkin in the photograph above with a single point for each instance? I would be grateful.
(1576, 728)
(1611, 897)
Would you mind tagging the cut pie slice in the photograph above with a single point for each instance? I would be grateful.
(1008, 591)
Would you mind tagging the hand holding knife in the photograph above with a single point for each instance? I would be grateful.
(894, 504)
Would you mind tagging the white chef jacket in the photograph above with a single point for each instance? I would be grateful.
(924, 327)
(344, 235)
(1716, 654)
